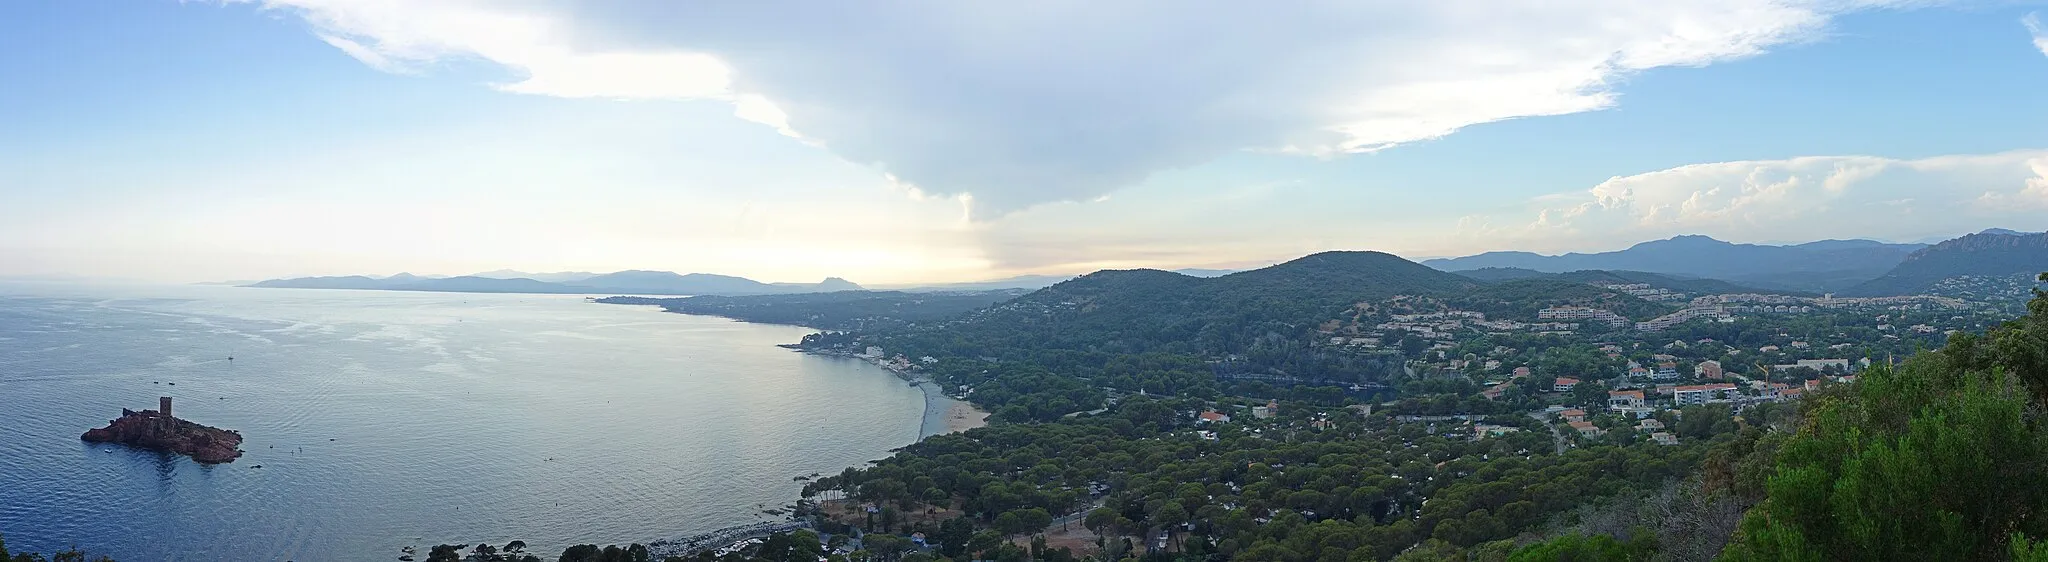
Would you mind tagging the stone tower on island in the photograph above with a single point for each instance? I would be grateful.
(164, 405)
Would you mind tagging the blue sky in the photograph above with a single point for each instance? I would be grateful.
(891, 143)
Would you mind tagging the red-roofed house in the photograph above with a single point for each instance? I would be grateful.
(1588, 429)
(1494, 392)
(1563, 384)
(1573, 415)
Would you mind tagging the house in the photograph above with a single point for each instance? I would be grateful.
(1485, 430)
(1624, 399)
(1650, 425)
(1563, 384)
(1521, 372)
(1573, 415)
(1208, 416)
(1587, 429)
(1638, 412)
(1708, 369)
(1666, 371)
(1823, 364)
(1663, 438)
(1269, 410)
(1702, 393)
(1494, 392)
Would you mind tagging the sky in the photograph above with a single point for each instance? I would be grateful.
(902, 142)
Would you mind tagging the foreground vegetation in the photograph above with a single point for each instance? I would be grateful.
(67, 555)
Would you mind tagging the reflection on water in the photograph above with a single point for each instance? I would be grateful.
(387, 419)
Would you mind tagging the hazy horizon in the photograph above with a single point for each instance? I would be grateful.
(251, 139)
(871, 285)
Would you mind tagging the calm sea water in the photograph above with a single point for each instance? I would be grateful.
(387, 419)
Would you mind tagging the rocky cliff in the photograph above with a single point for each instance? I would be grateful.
(152, 430)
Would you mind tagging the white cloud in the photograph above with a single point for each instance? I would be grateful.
(1021, 103)
(2040, 32)
(1807, 198)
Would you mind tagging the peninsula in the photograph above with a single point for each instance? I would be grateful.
(159, 431)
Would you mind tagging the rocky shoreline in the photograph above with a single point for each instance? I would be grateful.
(156, 431)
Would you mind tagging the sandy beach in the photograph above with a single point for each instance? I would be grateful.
(945, 414)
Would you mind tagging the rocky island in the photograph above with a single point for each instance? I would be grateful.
(159, 431)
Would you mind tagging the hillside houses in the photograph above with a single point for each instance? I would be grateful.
(1644, 291)
(1581, 313)
(1587, 429)
(1702, 393)
(1684, 315)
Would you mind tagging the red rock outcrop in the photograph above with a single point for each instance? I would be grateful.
(149, 429)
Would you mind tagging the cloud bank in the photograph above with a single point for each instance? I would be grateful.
(1801, 199)
(1010, 105)
(2040, 32)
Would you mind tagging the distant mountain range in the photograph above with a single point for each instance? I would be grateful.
(1699, 264)
(556, 277)
(1600, 277)
(1824, 266)
(1040, 281)
(624, 282)
(1992, 253)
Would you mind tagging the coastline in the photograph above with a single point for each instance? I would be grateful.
(942, 414)
(945, 414)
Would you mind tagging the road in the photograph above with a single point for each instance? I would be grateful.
(1555, 435)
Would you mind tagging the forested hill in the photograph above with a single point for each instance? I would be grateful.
(1985, 254)
(1283, 306)
(1129, 311)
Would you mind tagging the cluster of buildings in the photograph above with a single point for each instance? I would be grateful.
(1445, 324)
(1783, 303)
(1687, 314)
(1270, 409)
(1583, 314)
(1620, 400)
(899, 363)
(1644, 291)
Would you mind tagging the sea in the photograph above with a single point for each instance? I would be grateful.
(374, 421)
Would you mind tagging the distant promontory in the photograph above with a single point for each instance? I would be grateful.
(623, 282)
(157, 430)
